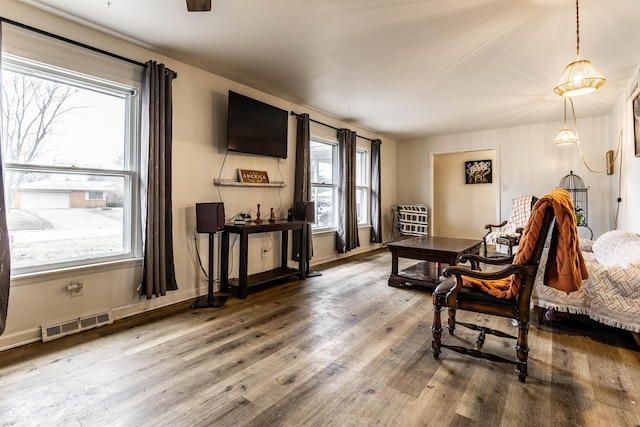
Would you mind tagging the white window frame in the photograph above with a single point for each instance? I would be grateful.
(334, 186)
(365, 152)
(366, 186)
(130, 173)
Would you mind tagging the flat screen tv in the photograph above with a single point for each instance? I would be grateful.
(256, 128)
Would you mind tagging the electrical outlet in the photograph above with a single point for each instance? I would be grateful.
(75, 289)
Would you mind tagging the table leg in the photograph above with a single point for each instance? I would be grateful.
(394, 262)
(224, 263)
(242, 274)
(284, 248)
(302, 265)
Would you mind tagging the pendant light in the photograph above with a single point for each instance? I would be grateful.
(579, 77)
(567, 136)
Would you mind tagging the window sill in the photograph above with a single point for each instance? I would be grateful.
(45, 276)
(334, 229)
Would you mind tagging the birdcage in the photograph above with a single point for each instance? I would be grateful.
(580, 196)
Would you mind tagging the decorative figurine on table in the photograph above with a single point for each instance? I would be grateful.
(272, 216)
(258, 220)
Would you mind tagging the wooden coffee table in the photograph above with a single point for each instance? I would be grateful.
(434, 251)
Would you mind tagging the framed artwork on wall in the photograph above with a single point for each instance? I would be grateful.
(478, 172)
(636, 124)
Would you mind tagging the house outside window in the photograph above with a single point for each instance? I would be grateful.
(71, 183)
(324, 183)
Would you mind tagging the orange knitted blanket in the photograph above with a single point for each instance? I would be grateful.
(565, 269)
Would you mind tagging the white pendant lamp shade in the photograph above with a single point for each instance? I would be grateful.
(566, 137)
(579, 77)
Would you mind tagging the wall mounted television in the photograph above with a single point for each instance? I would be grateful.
(255, 127)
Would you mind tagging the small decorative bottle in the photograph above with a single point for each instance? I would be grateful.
(272, 216)
(258, 220)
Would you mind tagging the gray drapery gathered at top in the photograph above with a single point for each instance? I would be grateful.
(376, 198)
(302, 185)
(159, 269)
(347, 233)
(5, 253)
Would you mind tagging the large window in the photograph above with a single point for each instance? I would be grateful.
(324, 183)
(362, 186)
(70, 147)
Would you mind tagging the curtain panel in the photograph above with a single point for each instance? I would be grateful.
(302, 184)
(159, 269)
(347, 233)
(5, 253)
(376, 198)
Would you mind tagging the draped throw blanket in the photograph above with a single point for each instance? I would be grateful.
(159, 270)
(565, 269)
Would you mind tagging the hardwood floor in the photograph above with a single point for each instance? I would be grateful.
(342, 349)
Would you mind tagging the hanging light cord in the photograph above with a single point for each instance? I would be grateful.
(577, 32)
(619, 199)
(575, 127)
(573, 113)
(609, 164)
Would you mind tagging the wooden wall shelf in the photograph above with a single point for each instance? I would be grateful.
(233, 183)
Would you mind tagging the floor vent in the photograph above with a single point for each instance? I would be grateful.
(60, 330)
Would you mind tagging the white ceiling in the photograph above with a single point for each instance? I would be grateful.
(401, 68)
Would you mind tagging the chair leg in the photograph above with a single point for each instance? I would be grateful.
(522, 350)
(436, 327)
(451, 321)
(540, 314)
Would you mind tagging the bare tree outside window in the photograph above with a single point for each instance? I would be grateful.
(69, 178)
(31, 109)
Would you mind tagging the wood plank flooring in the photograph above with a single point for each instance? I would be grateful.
(342, 349)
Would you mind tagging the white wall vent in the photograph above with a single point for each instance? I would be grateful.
(60, 330)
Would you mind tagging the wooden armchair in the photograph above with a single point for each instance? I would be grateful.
(508, 232)
(450, 293)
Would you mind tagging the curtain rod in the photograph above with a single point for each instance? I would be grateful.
(73, 42)
(293, 113)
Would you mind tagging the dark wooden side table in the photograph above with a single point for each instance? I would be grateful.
(509, 242)
(434, 251)
(245, 281)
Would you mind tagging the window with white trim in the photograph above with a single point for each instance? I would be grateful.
(71, 147)
(324, 183)
(363, 187)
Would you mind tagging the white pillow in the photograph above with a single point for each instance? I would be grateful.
(618, 248)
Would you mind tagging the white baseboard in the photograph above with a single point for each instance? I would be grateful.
(17, 339)
(29, 336)
(335, 257)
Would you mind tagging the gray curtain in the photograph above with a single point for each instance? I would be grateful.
(5, 255)
(347, 237)
(302, 185)
(159, 270)
(376, 199)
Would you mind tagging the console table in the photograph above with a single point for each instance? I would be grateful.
(245, 281)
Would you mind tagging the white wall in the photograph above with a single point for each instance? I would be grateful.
(626, 186)
(452, 196)
(528, 163)
(199, 141)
